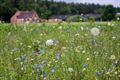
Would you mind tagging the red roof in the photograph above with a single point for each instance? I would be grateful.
(25, 14)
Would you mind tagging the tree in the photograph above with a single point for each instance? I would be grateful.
(109, 13)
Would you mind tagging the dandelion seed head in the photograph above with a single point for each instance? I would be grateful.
(95, 31)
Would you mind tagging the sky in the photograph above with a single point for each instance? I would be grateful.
(115, 3)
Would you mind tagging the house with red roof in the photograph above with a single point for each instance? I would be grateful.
(24, 16)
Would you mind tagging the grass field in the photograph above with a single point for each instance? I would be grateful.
(73, 51)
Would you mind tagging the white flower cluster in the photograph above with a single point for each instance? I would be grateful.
(95, 31)
(49, 42)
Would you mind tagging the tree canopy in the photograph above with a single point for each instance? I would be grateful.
(46, 8)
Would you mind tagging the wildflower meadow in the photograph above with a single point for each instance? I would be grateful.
(60, 51)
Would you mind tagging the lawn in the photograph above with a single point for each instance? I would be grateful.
(60, 51)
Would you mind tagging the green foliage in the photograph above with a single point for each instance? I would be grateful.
(75, 18)
(75, 55)
(46, 8)
(109, 13)
(91, 19)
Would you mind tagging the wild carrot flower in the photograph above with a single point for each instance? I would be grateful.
(112, 57)
(49, 42)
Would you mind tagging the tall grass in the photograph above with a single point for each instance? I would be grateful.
(75, 55)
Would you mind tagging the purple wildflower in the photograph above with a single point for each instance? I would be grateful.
(38, 70)
(53, 70)
(85, 65)
(44, 62)
(23, 57)
(44, 75)
(35, 65)
(99, 73)
(41, 51)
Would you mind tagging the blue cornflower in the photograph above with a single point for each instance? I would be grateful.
(106, 69)
(44, 62)
(15, 49)
(38, 70)
(53, 70)
(35, 65)
(23, 57)
(85, 65)
(99, 73)
(56, 67)
(44, 75)
(41, 51)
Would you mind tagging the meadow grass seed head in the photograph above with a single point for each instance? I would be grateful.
(57, 56)
(18, 59)
(95, 31)
(77, 34)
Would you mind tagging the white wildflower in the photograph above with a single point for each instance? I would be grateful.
(63, 48)
(113, 37)
(77, 34)
(83, 51)
(115, 72)
(60, 27)
(82, 28)
(9, 33)
(118, 18)
(29, 46)
(88, 59)
(112, 57)
(70, 69)
(95, 31)
(84, 69)
(27, 22)
(109, 24)
(49, 42)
